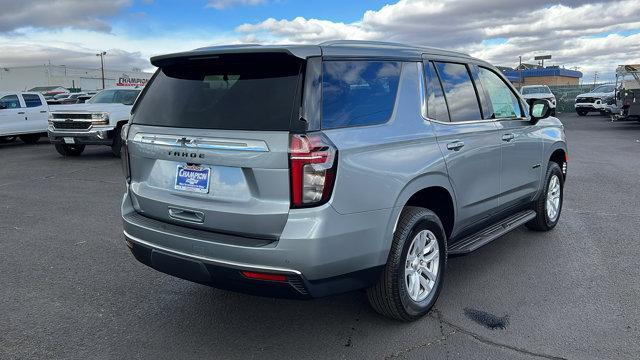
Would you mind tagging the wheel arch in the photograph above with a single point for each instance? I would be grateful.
(559, 156)
(556, 153)
(432, 191)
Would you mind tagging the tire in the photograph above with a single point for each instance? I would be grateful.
(582, 112)
(390, 296)
(543, 220)
(552, 112)
(7, 139)
(116, 147)
(69, 150)
(604, 113)
(30, 138)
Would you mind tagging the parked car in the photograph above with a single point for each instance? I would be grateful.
(55, 99)
(303, 171)
(96, 122)
(72, 99)
(600, 99)
(23, 115)
(83, 98)
(534, 92)
(49, 95)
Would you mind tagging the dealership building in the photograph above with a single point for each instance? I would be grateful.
(527, 74)
(24, 78)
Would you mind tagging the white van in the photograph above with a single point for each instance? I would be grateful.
(24, 115)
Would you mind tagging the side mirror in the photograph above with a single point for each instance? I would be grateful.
(540, 109)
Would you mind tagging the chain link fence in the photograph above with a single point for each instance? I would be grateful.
(566, 95)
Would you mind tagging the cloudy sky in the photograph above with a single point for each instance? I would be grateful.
(590, 35)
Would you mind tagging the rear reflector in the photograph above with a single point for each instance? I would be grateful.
(264, 276)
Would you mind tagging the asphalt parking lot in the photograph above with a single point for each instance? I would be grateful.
(70, 288)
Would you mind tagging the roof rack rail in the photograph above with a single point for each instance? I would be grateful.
(226, 47)
(362, 42)
(365, 43)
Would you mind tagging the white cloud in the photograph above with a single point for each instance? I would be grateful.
(81, 14)
(301, 30)
(74, 47)
(530, 27)
(13, 55)
(223, 4)
(593, 35)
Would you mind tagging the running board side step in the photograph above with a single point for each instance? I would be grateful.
(487, 235)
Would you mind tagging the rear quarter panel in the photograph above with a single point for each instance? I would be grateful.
(381, 166)
(376, 163)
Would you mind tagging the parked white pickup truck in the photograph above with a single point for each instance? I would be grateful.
(24, 115)
(96, 122)
(601, 99)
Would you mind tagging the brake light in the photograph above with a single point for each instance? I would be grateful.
(312, 161)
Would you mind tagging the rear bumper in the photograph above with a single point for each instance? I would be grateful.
(96, 135)
(230, 278)
(319, 251)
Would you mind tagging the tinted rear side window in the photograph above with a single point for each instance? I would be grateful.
(356, 93)
(436, 104)
(460, 92)
(31, 100)
(228, 93)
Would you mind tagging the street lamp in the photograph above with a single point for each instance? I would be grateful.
(102, 54)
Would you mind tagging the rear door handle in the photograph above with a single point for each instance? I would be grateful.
(21, 112)
(43, 111)
(508, 137)
(455, 145)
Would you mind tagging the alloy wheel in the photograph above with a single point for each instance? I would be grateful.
(422, 265)
(553, 198)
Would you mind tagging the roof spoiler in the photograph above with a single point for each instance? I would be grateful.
(299, 51)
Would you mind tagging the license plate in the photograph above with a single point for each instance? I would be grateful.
(69, 140)
(194, 178)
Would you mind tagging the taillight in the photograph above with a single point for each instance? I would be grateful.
(124, 153)
(312, 160)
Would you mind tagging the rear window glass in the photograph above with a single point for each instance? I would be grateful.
(436, 104)
(31, 100)
(459, 91)
(358, 93)
(230, 93)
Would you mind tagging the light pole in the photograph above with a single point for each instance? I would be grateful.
(102, 54)
(520, 70)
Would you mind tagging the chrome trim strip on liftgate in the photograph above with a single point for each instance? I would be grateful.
(202, 142)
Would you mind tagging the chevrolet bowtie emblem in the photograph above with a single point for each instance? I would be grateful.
(184, 141)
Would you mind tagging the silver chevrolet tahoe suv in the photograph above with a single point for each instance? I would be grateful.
(304, 171)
